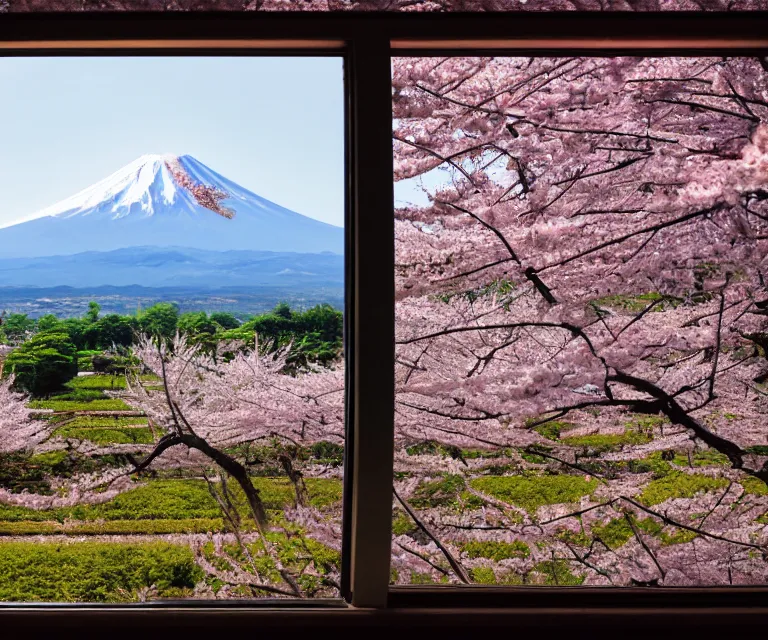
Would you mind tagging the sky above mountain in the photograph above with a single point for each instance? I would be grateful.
(272, 125)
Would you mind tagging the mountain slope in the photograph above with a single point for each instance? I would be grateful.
(166, 201)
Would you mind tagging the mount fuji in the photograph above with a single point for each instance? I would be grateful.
(166, 201)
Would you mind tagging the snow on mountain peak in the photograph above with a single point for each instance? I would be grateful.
(166, 200)
(135, 188)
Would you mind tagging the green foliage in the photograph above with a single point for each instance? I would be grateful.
(533, 491)
(119, 435)
(225, 320)
(402, 524)
(573, 538)
(79, 395)
(533, 458)
(608, 441)
(418, 577)
(199, 330)
(646, 423)
(112, 404)
(294, 551)
(160, 320)
(431, 447)
(178, 500)
(710, 458)
(21, 471)
(315, 335)
(758, 449)
(483, 575)
(48, 322)
(552, 429)
(105, 422)
(16, 326)
(18, 474)
(438, 493)
(93, 571)
(43, 363)
(118, 527)
(556, 573)
(328, 453)
(754, 486)
(617, 532)
(496, 550)
(92, 315)
(614, 533)
(114, 330)
(103, 382)
(680, 536)
(677, 484)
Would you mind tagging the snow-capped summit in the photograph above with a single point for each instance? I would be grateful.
(166, 200)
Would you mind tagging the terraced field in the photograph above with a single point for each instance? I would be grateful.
(145, 542)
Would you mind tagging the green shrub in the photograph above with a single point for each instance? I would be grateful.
(402, 524)
(112, 404)
(328, 453)
(178, 500)
(20, 471)
(710, 458)
(116, 435)
(608, 441)
(102, 382)
(294, 551)
(617, 532)
(677, 484)
(78, 395)
(118, 527)
(438, 493)
(754, 486)
(17, 474)
(556, 573)
(483, 575)
(551, 429)
(89, 422)
(93, 571)
(496, 550)
(43, 363)
(532, 492)
(574, 538)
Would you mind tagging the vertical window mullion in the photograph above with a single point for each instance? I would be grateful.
(371, 326)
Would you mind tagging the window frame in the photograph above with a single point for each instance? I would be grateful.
(367, 42)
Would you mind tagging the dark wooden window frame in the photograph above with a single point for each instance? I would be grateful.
(367, 42)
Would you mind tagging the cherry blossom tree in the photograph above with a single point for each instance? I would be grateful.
(17, 429)
(207, 407)
(593, 250)
(386, 5)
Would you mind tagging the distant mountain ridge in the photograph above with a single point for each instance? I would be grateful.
(166, 201)
(174, 267)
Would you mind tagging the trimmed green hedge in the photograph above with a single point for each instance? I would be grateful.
(112, 404)
(94, 571)
(177, 500)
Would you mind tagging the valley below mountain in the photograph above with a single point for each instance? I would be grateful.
(71, 302)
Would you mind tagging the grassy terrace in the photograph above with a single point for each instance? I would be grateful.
(95, 571)
(101, 571)
(160, 506)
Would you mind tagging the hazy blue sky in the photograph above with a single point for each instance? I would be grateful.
(273, 125)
